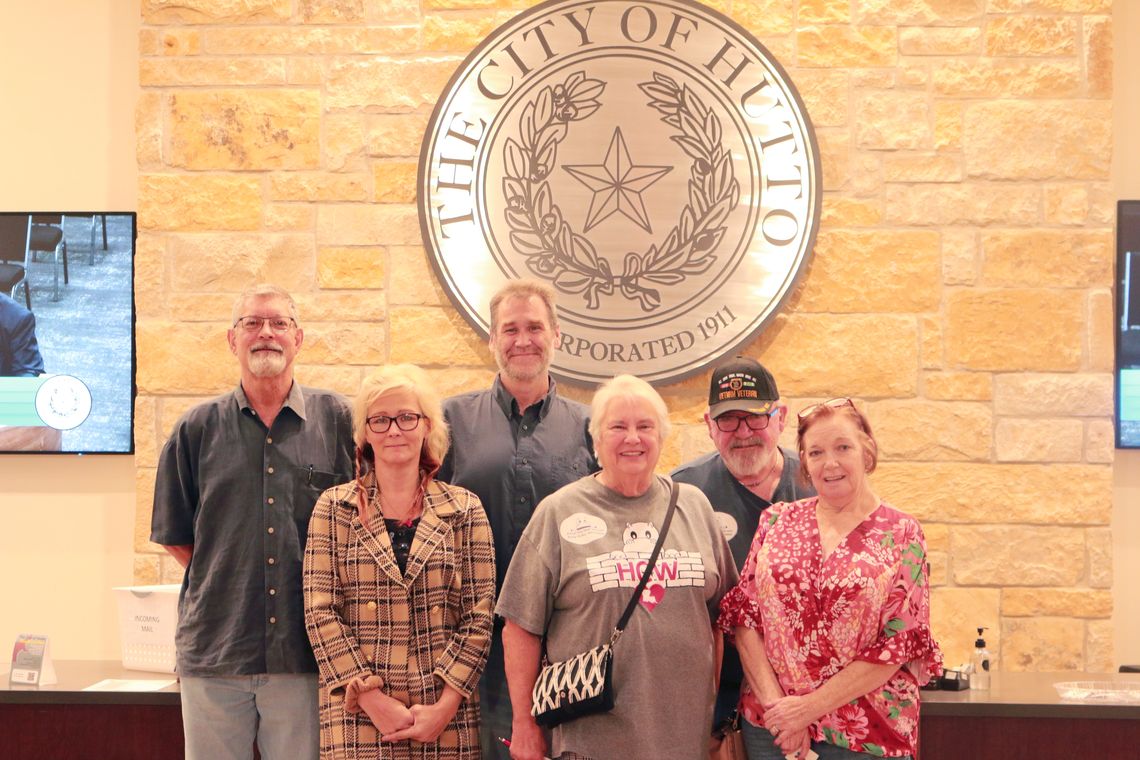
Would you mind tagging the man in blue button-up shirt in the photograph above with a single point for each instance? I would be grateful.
(514, 445)
(236, 483)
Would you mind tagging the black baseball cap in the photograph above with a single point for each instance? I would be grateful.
(742, 385)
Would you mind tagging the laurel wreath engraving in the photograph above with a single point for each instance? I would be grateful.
(551, 247)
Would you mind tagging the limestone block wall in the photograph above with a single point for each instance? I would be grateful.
(960, 288)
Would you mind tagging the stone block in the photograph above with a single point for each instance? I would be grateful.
(332, 11)
(148, 130)
(394, 135)
(920, 12)
(1042, 644)
(959, 256)
(303, 71)
(317, 186)
(146, 437)
(1077, 259)
(171, 409)
(891, 369)
(939, 564)
(426, 335)
(764, 17)
(343, 144)
(169, 569)
(947, 125)
(213, 308)
(333, 306)
(386, 83)
(412, 279)
(345, 343)
(455, 33)
(1026, 35)
(937, 537)
(345, 380)
(215, 11)
(1101, 331)
(394, 182)
(838, 212)
(1100, 647)
(955, 616)
(958, 386)
(1056, 602)
(1100, 441)
(893, 121)
(200, 263)
(1099, 543)
(290, 217)
(245, 129)
(351, 267)
(1017, 555)
(913, 76)
(1014, 330)
(1034, 494)
(183, 357)
(906, 263)
(940, 40)
(916, 430)
(1038, 140)
(1066, 204)
(835, 156)
(692, 441)
(461, 5)
(834, 47)
(1068, 395)
(144, 504)
(823, 12)
(313, 41)
(872, 79)
(150, 282)
(200, 70)
(146, 570)
(1039, 439)
(1007, 78)
(1102, 203)
(1055, 6)
(367, 224)
(195, 202)
(170, 42)
(968, 203)
(826, 96)
(1098, 55)
(453, 381)
(922, 167)
(931, 347)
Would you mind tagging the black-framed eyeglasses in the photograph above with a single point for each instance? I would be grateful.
(834, 403)
(405, 421)
(253, 323)
(730, 423)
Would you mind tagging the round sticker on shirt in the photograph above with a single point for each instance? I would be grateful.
(727, 525)
(581, 528)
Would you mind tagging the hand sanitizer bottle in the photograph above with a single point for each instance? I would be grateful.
(980, 677)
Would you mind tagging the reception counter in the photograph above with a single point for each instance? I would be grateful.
(1021, 716)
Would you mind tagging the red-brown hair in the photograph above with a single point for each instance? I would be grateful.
(826, 411)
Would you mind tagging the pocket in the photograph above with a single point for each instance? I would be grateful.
(310, 484)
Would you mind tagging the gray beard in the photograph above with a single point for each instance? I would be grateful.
(267, 363)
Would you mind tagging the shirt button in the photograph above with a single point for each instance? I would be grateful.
(270, 500)
(525, 427)
(269, 440)
(270, 528)
(371, 605)
(272, 620)
(273, 592)
(526, 461)
(270, 470)
(272, 561)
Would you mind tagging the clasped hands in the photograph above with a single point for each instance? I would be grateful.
(788, 719)
(395, 721)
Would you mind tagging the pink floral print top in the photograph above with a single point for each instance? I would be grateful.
(868, 600)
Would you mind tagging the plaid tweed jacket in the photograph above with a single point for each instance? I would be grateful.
(416, 630)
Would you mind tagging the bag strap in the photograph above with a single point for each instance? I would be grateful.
(633, 600)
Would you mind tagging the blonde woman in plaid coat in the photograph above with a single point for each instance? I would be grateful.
(399, 583)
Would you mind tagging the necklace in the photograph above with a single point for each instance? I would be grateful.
(766, 476)
(415, 507)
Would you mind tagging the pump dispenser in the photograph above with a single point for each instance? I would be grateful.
(980, 677)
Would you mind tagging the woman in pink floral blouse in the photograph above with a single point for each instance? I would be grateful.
(832, 614)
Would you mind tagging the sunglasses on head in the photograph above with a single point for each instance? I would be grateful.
(835, 403)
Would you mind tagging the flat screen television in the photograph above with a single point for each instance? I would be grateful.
(67, 347)
(1128, 325)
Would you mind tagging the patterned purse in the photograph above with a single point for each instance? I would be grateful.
(583, 684)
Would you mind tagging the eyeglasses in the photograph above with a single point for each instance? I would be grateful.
(276, 324)
(730, 423)
(406, 421)
(835, 403)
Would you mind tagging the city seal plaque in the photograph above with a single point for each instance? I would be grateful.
(649, 160)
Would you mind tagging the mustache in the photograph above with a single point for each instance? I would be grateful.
(265, 347)
(753, 441)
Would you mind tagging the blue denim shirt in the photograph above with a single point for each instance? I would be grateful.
(512, 459)
(242, 495)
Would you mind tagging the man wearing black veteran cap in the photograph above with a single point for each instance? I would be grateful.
(747, 473)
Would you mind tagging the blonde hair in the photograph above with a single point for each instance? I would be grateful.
(411, 378)
(263, 290)
(524, 289)
(626, 387)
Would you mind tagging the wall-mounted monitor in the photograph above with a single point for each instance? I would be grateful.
(67, 349)
(1128, 324)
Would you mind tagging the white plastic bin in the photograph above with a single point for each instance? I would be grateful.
(148, 618)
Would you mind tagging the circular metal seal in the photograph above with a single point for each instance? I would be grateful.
(650, 160)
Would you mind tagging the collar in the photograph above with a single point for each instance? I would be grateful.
(510, 406)
(295, 400)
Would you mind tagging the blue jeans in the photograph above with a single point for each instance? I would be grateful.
(223, 716)
(760, 745)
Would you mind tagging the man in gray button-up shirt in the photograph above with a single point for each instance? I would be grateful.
(236, 483)
(513, 446)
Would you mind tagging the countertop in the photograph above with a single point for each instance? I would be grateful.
(1029, 695)
(76, 675)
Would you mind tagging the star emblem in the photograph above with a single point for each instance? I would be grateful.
(617, 184)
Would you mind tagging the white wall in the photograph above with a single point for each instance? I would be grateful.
(68, 82)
